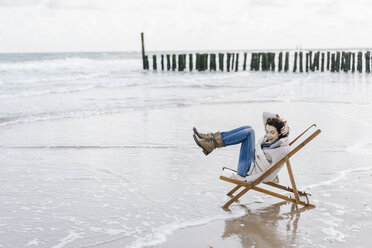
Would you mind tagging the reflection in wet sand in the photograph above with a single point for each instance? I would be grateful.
(259, 228)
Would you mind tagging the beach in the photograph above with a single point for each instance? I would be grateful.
(96, 152)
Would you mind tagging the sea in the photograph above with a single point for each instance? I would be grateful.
(97, 152)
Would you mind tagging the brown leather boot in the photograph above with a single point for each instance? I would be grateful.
(208, 145)
(204, 135)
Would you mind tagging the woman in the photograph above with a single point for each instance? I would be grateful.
(254, 160)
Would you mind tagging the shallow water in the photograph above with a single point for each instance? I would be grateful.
(97, 152)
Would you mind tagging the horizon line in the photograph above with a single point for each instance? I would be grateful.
(191, 50)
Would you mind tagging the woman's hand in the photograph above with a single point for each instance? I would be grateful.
(285, 129)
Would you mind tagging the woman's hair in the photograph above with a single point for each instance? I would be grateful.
(278, 124)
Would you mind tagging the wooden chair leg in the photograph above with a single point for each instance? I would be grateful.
(268, 192)
(235, 198)
(292, 180)
(233, 190)
(286, 188)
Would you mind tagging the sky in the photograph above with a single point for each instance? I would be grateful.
(115, 25)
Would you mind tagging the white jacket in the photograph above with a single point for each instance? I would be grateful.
(264, 159)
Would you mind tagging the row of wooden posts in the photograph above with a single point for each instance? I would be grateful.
(314, 61)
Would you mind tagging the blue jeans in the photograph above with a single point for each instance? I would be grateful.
(245, 136)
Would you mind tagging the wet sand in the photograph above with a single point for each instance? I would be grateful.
(335, 168)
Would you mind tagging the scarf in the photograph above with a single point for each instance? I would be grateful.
(273, 145)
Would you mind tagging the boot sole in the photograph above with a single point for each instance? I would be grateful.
(196, 132)
(197, 142)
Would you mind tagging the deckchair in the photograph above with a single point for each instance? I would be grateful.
(295, 145)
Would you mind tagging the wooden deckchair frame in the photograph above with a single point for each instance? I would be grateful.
(253, 185)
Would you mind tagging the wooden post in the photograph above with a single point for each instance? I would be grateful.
(338, 61)
(295, 62)
(259, 59)
(215, 62)
(184, 61)
(311, 60)
(146, 62)
(333, 63)
(212, 64)
(322, 64)
(253, 57)
(220, 60)
(197, 55)
(267, 61)
(228, 61)
(317, 60)
(254, 61)
(180, 60)
(328, 60)
(200, 62)
(168, 62)
(162, 62)
(154, 65)
(245, 62)
(307, 62)
(174, 65)
(205, 61)
(359, 66)
(190, 62)
(344, 60)
(301, 67)
(348, 61)
(280, 65)
(143, 51)
(353, 66)
(263, 61)
(286, 63)
(237, 62)
(233, 60)
(368, 61)
(272, 61)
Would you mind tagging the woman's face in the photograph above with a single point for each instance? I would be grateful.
(272, 134)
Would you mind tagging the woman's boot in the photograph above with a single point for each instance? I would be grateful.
(208, 145)
(205, 135)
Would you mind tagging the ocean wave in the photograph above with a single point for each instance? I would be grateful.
(148, 146)
(60, 78)
(73, 88)
(63, 63)
(340, 175)
(159, 235)
(30, 93)
(71, 237)
(4, 121)
(21, 119)
(361, 148)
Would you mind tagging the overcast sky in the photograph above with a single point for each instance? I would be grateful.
(115, 25)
